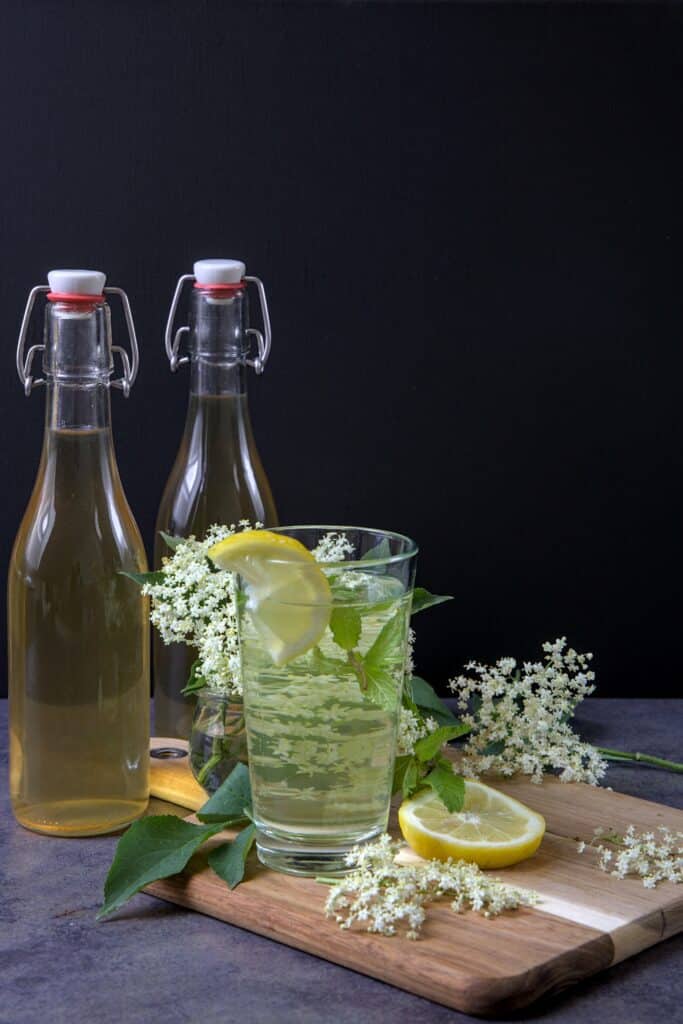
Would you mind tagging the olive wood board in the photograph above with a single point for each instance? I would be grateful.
(586, 922)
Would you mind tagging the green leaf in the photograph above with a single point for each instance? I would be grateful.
(379, 552)
(427, 701)
(145, 577)
(449, 787)
(423, 599)
(229, 859)
(429, 746)
(171, 542)
(400, 767)
(346, 627)
(411, 778)
(152, 848)
(322, 665)
(195, 682)
(231, 799)
(377, 670)
(388, 649)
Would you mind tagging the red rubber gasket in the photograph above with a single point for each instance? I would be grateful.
(73, 297)
(233, 287)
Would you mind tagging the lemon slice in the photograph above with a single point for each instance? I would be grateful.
(492, 830)
(288, 595)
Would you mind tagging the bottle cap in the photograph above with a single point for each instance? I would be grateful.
(209, 272)
(76, 282)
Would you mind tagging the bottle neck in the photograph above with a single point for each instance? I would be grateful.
(77, 363)
(218, 343)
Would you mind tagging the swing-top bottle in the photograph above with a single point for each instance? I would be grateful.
(217, 476)
(78, 629)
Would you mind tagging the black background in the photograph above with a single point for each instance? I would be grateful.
(468, 219)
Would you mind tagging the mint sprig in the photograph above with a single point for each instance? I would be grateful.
(162, 845)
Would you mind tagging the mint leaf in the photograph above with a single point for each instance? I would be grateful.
(152, 848)
(427, 701)
(346, 627)
(449, 787)
(322, 665)
(171, 542)
(411, 778)
(429, 746)
(230, 800)
(400, 767)
(388, 649)
(229, 859)
(377, 670)
(145, 577)
(423, 599)
(378, 552)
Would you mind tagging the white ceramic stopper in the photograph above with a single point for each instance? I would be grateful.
(76, 282)
(219, 271)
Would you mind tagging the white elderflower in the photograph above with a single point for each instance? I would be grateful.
(381, 895)
(193, 603)
(411, 728)
(653, 856)
(333, 547)
(520, 717)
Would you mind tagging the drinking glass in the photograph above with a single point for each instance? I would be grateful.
(321, 728)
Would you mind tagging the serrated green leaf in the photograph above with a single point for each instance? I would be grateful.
(449, 787)
(400, 766)
(388, 649)
(428, 702)
(230, 800)
(381, 688)
(422, 599)
(141, 578)
(376, 671)
(346, 627)
(229, 860)
(171, 542)
(429, 746)
(152, 848)
(322, 665)
(411, 778)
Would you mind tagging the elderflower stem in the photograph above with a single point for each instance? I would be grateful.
(625, 755)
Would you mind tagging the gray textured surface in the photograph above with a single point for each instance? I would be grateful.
(158, 963)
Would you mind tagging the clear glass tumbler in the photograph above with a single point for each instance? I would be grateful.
(321, 728)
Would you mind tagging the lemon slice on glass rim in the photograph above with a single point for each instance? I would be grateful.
(288, 596)
(492, 830)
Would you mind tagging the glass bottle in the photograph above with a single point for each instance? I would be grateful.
(217, 476)
(78, 633)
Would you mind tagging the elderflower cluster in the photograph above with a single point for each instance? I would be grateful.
(411, 728)
(653, 856)
(381, 895)
(333, 547)
(520, 718)
(194, 604)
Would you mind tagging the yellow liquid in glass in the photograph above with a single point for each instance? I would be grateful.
(78, 647)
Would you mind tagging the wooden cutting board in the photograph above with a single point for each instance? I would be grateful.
(586, 922)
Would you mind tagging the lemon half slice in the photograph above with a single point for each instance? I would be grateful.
(288, 595)
(492, 830)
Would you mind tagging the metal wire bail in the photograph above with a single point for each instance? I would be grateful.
(172, 342)
(24, 362)
(130, 366)
(264, 340)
